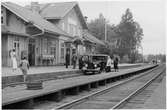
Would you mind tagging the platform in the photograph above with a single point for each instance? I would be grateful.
(19, 93)
(7, 71)
(42, 73)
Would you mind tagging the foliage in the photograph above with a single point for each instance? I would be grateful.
(160, 57)
(123, 39)
(97, 27)
(130, 34)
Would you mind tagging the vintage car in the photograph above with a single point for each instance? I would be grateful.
(93, 63)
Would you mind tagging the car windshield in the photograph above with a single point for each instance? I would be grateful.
(99, 58)
(94, 58)
(85, 58)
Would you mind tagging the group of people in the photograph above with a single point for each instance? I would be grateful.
(110, 62)
(24, 64)
(107, 65)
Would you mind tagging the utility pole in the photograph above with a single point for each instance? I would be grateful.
(105, 28)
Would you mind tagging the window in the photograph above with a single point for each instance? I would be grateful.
(71, 29)
(63, 26)
(74, 31)
(16, 45)
(45, 46)
(68, 28)
(79, 32)
(2, 17)
(53, 51)
(62, 51)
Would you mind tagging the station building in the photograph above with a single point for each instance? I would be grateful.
(44, 32)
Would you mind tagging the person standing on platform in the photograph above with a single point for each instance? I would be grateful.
(108, 65)
(81, 63)
(116, 64)
(14, 60)
(74, 60)
(24, 66)
(67, 59)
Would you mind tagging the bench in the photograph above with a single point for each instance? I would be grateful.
(47, 59)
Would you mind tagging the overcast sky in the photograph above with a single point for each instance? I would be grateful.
(150, 14)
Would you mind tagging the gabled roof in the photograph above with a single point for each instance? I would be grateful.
(59, 10)
(92, 38)
(34, 18)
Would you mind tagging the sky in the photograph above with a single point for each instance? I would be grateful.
(150, 14)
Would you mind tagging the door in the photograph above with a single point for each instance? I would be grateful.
(16, 46)
(31, 52)
(68, 50)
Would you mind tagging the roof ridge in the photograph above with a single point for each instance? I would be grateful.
(57, 2)
(70, 9)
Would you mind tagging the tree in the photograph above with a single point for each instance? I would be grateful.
(123, 39)
(97, 28)
(130, 34)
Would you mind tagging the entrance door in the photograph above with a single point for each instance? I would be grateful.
(31, 52)
(68, 50)
(17, 47)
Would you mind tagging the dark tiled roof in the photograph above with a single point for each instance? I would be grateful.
(92, 38)
(34, 18)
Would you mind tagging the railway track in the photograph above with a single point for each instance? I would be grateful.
(116, 95)
(137, 100)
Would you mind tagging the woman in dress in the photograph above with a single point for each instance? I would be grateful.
(14, 61)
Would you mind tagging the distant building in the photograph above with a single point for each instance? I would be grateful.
(44, 32)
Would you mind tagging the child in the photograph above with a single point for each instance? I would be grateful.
(24, 65)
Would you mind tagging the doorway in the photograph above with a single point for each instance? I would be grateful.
(31, 52)
(68, 50)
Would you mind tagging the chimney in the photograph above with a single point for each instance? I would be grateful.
(35, 7)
